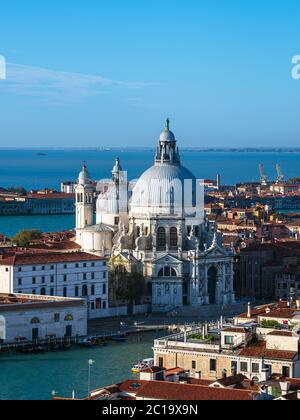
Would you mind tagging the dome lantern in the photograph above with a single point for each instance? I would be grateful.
(167, 151)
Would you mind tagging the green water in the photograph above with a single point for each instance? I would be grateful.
(35, 377)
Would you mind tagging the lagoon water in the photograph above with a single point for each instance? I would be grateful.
(33, 170)
(10, 225)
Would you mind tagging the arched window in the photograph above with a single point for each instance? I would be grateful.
(173, 237)
(167, 272)
(35, 321)
(161, 237)
(43, 292)
(69, 317)
(84, 290)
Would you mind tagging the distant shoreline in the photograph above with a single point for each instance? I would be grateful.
(151, 149)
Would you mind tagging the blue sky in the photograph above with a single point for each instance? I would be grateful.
(108, 73)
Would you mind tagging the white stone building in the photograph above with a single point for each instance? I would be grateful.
(33, 317)
(160, 226)
(78, 275)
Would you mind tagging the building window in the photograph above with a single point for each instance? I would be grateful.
(104, 275)
(93, 264)
(194, 365)
(35, 321)
(51, 291)
(213, 365)
(104, 289)
(286, 372)
(93, 276)
(84, 277)
(52, 279)
(244, 367)
(65, 278)
(43, 280)
(65, 292)
(104, 305)
(84, 290)
(92, 306)
(33, 280)
(19, 269)
(65, 266)
(43, 268)
(161, 362)
(229, 340)
(104, 264)
(52, 267)
(161, 237)
(255, 367)
(56, 317)
(84, 265)
(33, 268)
(77, 265)
(76, 291)
(20, 282)
(173, 237)
(34, 292)
(93, 290)
(43, 291)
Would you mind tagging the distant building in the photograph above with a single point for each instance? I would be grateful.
(37, 203)
(259, 265)
(32, 317)
(78, 275)
(68, 187)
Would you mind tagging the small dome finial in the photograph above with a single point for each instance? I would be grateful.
(168, 124)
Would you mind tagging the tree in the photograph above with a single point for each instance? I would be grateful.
(25, 237)
(294, 181)
(18, 190)
(131, 287)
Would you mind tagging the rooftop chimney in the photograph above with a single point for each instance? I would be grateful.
(249, 310)
(265, 374)
(285, 387)
(198, 375)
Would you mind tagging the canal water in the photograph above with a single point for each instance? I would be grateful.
(34, 377)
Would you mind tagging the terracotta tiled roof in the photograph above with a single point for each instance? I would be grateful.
(282, 334)
(182, 392)
(235, 330)
(47, 258)
(259, 350)
(232, 380)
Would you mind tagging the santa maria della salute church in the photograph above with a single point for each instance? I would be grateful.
(157, 227)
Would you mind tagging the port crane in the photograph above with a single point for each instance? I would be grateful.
(280, 175)
(263, 176)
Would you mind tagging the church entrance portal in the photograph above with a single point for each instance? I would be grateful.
(212, 284)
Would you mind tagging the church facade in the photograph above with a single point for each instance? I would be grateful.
(157, 226)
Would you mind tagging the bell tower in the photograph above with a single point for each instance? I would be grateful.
(85, 191)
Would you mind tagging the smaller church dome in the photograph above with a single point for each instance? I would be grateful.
(167, 135)
(84, 177)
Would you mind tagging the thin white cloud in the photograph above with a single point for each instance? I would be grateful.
(60, 87)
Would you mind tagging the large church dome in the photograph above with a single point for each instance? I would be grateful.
(167, 187)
